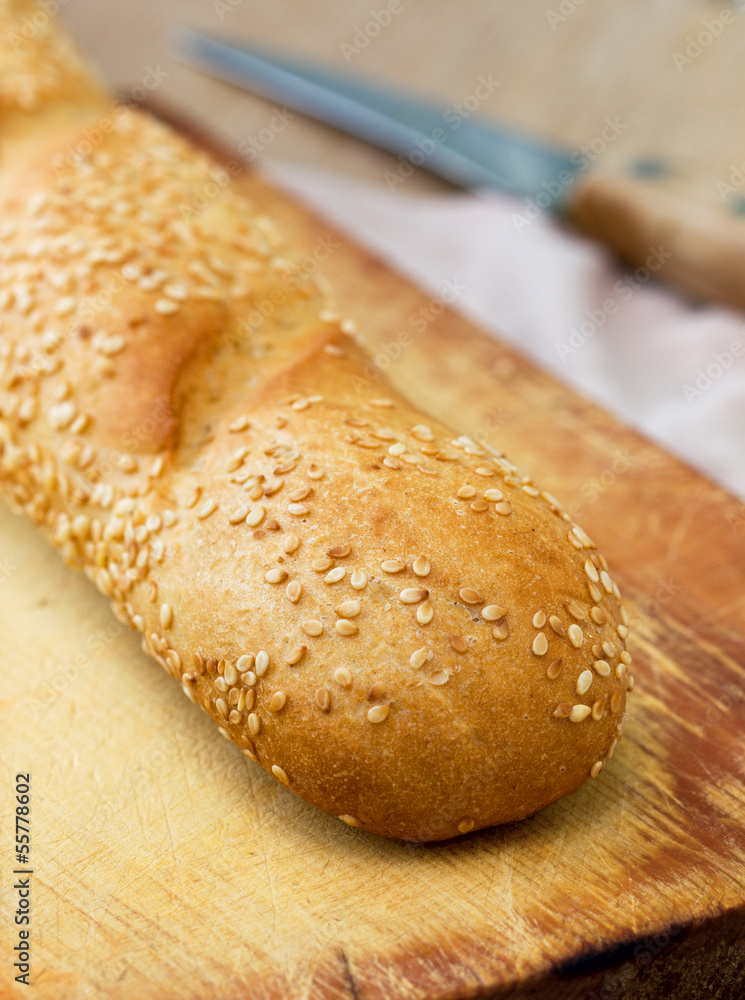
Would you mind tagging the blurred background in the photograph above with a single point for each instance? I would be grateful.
(644, 86)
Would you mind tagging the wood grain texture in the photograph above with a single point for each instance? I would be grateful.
(175, 867)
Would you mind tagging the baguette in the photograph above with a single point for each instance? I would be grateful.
(384, 615)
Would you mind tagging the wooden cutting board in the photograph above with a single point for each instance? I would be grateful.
(174, 867)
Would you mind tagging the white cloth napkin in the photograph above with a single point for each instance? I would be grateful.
(674, 370)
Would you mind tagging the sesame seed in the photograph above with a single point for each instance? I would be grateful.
(236, 460)
(493, 612)
(606, 581)
(458, 643)
(579, 713)
(222, 707)
(293, 591)
(397, 449)
(166, 307)
(584, 682)
(315, 472)
(339, 551)
(350, 820)
(504, 508)
(245, 662)
(597, 709)
(422, 433)
(466, 492)
(609, 648)
(576, 636)
(276, 575)
(621, 670)
(221, 684)
(255, 516)
(239, 424)
(418, 658)
(539, 619)
(493, 496)
(61, 415)
(554, 669)
(624, 656)
(612, 748)
(376, 690)
(348, 609)
(300, 494)
(346, 628)
(470, 596)
(359, 579)
(231, 674)
(622, 631)
(466, 825)
(602, 667)
(485, 470)
(206, 509)
(335, 575)
(392, 463)
(323, 699)
(425, 613)
(501, 630)
(378, 713)
(557, 625)
(615, 702)
(595, 592)
(295, 655)
(599, 615)
(392, 566)
(322, 564)
(380, 403)
(343, 677)
(479, 506)
(166, 615)
(531, 490)
(576, 611)
(624, 615)
(540, 644)
(591, 571)
(421, 566)
(312, 626)
(413, 595)
(563, 711)
(596, 768)
(280, 774)
(277, 702)
(297, 509)
(262, 662)
(290, 544)
(65, 305)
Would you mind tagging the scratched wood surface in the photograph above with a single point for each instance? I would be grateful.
(172, 867)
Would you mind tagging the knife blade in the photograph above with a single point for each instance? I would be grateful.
(465, 151)
(643, 215)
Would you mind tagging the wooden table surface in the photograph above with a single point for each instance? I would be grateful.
(563, 67)
(154, 881)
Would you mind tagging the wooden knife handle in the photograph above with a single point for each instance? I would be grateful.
(686, 241)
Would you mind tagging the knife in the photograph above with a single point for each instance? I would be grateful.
(660, 224)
